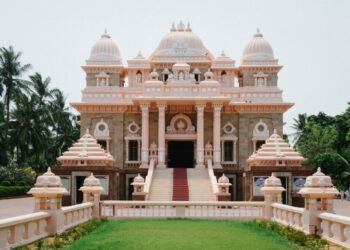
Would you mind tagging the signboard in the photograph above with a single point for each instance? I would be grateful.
(104, 181)
(258, 183)
(298, 183)
(65, 180)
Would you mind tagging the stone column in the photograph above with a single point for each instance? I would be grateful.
(216, 135)
(161, 135)
(200, 136)
(145, 135)
(235, 152)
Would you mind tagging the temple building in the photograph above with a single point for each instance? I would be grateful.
(183, 110)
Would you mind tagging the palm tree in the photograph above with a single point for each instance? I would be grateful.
(298, 126)
(41, 87)
(29, 128)
(62, 125)
(11, 69)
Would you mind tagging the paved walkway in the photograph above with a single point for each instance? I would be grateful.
(342, 207)
(15, 207)
(20, 206)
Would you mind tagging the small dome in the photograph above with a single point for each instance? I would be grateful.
(272, 184)
(48, 179)
(320, 184)
(258, 49)
(223, 179)
(91, 181)
(104, 52)
(139, 179)
(91, 184)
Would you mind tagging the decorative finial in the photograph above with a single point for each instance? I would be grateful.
(273, 174)
(319, 170)
(173, 27)
(49, 170)
(274, 131)
(180, 26)
(223, 53)
(91, 174)
(105, 30)
(257, 30)
(188, 27)
(139, 54)
(87, 131)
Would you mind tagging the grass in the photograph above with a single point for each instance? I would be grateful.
(181, 234)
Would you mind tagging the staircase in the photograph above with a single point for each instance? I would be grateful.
(200, 188)
(180, 185)
(162, 185)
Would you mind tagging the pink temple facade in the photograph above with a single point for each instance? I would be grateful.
(181, 100)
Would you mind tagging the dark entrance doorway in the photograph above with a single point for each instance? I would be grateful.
(284, 182)
(180, 154)
(79, 181)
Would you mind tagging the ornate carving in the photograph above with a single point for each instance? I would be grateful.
(181, 124)
(101, 130)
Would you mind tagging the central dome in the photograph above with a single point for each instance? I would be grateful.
(180, 41)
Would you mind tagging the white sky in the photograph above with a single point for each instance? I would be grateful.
(310, 38)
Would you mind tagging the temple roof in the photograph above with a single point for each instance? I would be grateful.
(276, 152)
(86, 152)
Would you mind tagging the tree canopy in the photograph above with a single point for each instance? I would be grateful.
(325, 141)
(35, 123)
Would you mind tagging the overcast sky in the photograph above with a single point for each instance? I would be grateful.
(310, 38)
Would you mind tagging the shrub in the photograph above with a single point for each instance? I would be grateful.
(22, 183)
(6, 191)
(15, 174)
(293, 235)
(5, 183)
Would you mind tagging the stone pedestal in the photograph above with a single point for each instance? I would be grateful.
(139, 188)
(48, 192)
(272, 194)
(91, 191)
(319, 193)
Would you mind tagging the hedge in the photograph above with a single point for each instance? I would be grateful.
(8, 191)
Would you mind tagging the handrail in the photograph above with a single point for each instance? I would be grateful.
(212, 177)
(77, 207)
(23, 219)
(183, 203)
(299, 210)
(148, 180)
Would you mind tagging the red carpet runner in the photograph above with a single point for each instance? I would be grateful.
(180, 185)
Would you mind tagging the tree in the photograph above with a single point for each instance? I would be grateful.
(299, 125)
(29, 129)
(41, 87)
(11, 69)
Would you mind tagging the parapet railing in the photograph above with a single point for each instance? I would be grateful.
(76, 214)
(335, 228)
(149, 177)
(24, 229)
(182, 209)
(288, 215)
(212, 177)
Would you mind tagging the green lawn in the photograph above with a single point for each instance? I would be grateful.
(180, 234)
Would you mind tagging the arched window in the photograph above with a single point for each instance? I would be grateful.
(138, 77)
(223, 77)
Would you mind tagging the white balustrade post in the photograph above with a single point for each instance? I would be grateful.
(91, 192)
